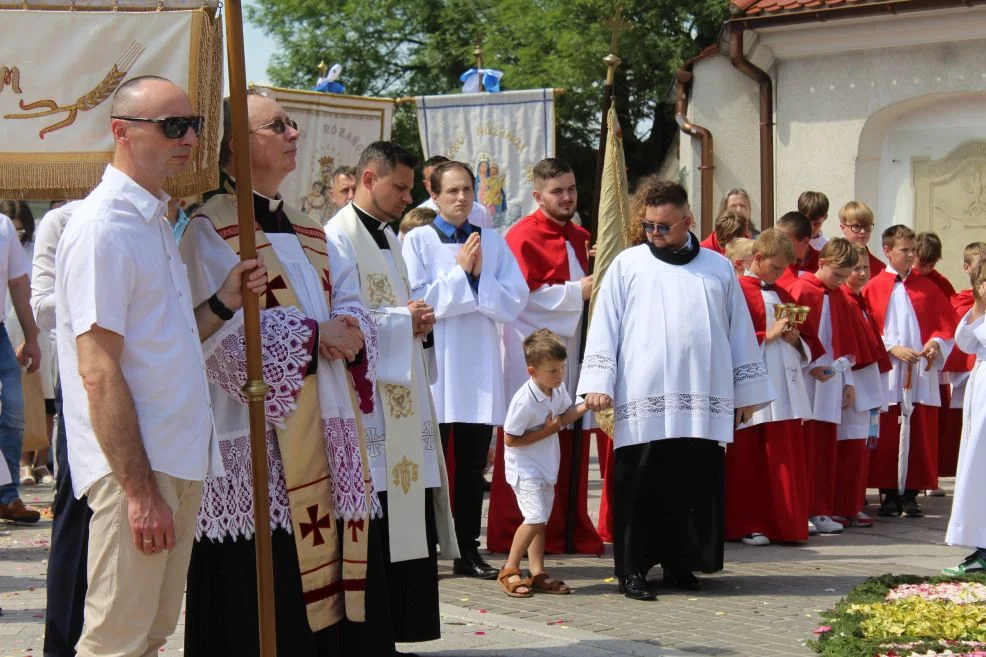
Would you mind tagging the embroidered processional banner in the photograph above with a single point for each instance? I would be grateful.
(58, 73)
(501, 136)
(335, 128)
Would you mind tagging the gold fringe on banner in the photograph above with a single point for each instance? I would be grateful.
(44, 176)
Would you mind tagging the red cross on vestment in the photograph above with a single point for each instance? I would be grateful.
(355, 526)
(276, 283)
(326, 281)
(316, 525)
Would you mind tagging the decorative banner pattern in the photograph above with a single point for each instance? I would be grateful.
(56, 89)
(501, 136)
(335, 129)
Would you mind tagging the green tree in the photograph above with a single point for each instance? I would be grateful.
(407, 48)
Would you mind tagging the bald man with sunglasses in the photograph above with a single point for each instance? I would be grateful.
(135, 397)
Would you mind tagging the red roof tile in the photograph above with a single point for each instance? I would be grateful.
(758, 8)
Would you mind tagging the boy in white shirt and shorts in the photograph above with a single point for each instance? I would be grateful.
(531, 456)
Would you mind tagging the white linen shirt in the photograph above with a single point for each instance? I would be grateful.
(118, 268)
(46, 238)
(14, 263)
(528, 410)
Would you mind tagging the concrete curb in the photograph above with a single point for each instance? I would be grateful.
(600, 644)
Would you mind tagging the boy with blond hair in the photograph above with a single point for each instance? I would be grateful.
(917, 323)
(856, 221)
(766, 495)
(415, 218)
(538, 410)
(740, 253)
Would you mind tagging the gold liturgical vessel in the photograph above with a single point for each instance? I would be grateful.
(796, 314)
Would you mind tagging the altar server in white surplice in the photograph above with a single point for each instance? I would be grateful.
(369, 280)
(472, 280)
(967, 526)
(672, 349)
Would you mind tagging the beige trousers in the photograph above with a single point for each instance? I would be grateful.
(134, 599)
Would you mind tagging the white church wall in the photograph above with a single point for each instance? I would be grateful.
(822, 105)
(722, 96)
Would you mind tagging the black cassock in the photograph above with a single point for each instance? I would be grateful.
(668, 506)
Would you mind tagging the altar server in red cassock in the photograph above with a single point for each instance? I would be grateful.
(730, 225)
(836, 322)
(798, 229)
(955, 375)
(766, 492)
(856, 221)
(553, 256)
(860, 424)
(918, 324)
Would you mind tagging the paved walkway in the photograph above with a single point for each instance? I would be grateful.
(765, 603)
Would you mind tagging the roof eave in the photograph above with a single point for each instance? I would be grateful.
(825, 14)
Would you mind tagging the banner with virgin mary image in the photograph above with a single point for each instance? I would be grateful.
(501, 136)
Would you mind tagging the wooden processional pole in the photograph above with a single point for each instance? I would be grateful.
(616, 26)
(255, 388)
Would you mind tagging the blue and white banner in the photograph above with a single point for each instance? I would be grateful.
(501, 136)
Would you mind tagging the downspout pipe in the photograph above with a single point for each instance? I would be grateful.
(758, 75)
(707, 167)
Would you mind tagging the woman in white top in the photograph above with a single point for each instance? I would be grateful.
(39, 387)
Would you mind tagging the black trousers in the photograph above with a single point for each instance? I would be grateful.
(67, 581)
(472, 442)
(668, 508)
(412, 586)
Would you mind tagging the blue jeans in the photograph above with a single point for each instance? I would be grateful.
(11, 416)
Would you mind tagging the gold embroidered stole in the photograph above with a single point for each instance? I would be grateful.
(333, 584)
(403, 446)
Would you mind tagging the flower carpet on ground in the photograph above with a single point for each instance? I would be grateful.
(908, 616)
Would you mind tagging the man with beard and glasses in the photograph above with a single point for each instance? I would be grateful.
(672, 350)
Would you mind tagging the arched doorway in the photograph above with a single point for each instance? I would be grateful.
(918, 163)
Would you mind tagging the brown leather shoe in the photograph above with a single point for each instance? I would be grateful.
(17, 512)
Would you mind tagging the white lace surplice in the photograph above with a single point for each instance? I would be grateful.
(674, 346)
(227, 504)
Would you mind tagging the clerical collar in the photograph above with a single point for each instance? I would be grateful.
(373, 226)
(268, 212)
(681, 255)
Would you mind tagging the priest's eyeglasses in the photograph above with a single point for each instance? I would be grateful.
(174, 127)
(278, 126)
(859, 228)
(662, 229)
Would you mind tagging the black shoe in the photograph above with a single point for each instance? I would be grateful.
(909, 505)
(635, 587)
(682, 579)
(473, 565)
(891, 507)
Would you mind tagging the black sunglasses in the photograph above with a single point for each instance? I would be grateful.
(174, 127)
(279, 126)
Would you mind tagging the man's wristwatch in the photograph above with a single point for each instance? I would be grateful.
(219, 308)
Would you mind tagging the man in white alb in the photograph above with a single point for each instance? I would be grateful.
(472, 280)
(478, 216)
(672, 349)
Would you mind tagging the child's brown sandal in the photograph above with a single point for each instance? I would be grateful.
(510, 588)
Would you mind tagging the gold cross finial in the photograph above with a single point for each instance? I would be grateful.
(478, 52)
(616, 26)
